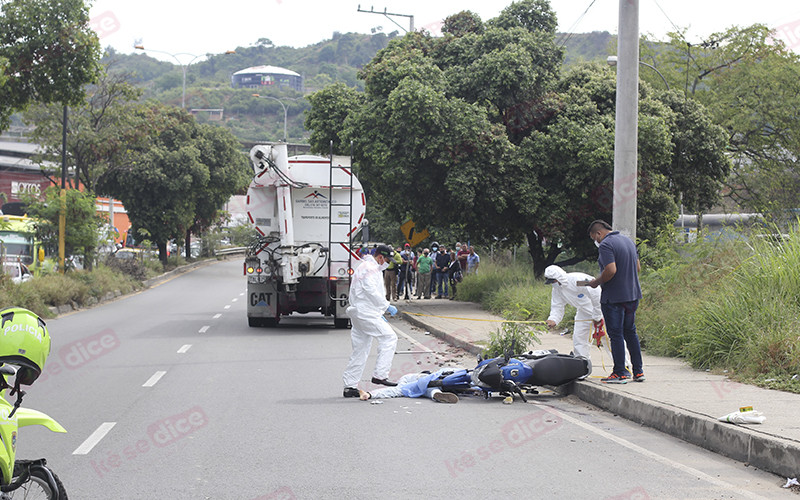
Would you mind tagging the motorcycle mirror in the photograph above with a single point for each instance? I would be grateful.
(8, 370)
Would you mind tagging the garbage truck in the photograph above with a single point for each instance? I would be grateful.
(306, 211)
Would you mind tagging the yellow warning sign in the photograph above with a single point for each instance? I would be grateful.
(413, 237)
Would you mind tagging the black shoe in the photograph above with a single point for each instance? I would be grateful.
(350, 392)
(376, 380)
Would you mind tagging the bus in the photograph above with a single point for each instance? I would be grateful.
(18, 241)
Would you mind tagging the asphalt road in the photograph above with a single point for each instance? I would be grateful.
(169, 394)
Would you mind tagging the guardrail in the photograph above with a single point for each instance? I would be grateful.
(230, 251)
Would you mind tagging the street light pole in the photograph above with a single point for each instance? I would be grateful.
(612, 61)
(184, 67)
(627, 121)
(285, 139)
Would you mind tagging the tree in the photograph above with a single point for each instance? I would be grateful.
(48, 53)
(84, 224)
(175, 178)
(480, 129)
(750, 83)
(229, 173)
(99, 132)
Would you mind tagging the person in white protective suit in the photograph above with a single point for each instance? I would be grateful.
(585, 299)
(367, 306)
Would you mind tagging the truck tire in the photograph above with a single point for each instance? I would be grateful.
(341, 323)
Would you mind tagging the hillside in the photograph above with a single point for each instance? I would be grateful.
(337, 59)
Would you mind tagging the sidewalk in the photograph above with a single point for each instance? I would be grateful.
(675, 398)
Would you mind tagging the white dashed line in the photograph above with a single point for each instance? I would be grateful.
(154, 379)
(216, 316)
(184, 348)
(204, 329)
(241, 294)
(234, 300)
(95, 438)
(227, 307)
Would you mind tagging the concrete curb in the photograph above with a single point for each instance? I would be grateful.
(764, 451)
(769, 453)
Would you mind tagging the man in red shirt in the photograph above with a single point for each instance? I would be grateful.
(462, 252)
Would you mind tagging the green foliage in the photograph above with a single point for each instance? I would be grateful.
(99, 131)
(135, 268)
(749, 320)
(48, 53)
(83, 223)
(178, 178)
(79, 287)
(750, 83)
(479, 129)
(510, 338)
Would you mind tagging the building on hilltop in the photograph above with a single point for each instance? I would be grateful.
(258, 77)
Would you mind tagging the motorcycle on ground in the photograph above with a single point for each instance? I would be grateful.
(519, 374)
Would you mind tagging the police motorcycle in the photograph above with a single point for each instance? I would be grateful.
(519, 374)
(24, 348)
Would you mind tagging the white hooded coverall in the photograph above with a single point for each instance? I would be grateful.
(585, 299)
(367, 305)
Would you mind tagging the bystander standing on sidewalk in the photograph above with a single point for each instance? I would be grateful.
(473, 261)
(424, 272)
(442, 262)
(406, 276)
(621, 292)
(462, 252)
(454, 274)
(390, 275)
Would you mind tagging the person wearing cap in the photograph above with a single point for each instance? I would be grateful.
(584, 299)
(621, 292)
(390, 274)
(366, 309)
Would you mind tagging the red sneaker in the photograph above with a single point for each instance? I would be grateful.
(615, 379)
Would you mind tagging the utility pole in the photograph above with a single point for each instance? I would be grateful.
(62, 215)
(627, 120)
(387, 14)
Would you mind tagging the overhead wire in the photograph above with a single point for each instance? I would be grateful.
(571, 29)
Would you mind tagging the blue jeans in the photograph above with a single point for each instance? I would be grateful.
(621, 326)
(441, 278)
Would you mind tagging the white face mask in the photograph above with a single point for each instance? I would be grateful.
(597, 244)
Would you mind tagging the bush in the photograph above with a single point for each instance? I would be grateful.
(56, 290)
(135, 268)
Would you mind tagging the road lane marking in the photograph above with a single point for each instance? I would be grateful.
(154, 379)
(204, 329)
(650, 454)
(241, 294)
(95, 438)
(184, 348)
(216, 316)
(227, 307)
(410, 339)
(234, 300)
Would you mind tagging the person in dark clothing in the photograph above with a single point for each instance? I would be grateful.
(442, 263)
(621, 292)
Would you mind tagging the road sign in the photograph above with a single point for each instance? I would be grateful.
(413, 237)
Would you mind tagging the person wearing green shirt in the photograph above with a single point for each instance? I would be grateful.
(424, 272)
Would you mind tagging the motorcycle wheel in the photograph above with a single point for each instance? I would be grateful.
(38, 488)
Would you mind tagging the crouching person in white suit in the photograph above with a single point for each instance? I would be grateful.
(585, 299)
(367, 306)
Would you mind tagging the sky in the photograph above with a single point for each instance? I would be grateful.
(186, 29)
